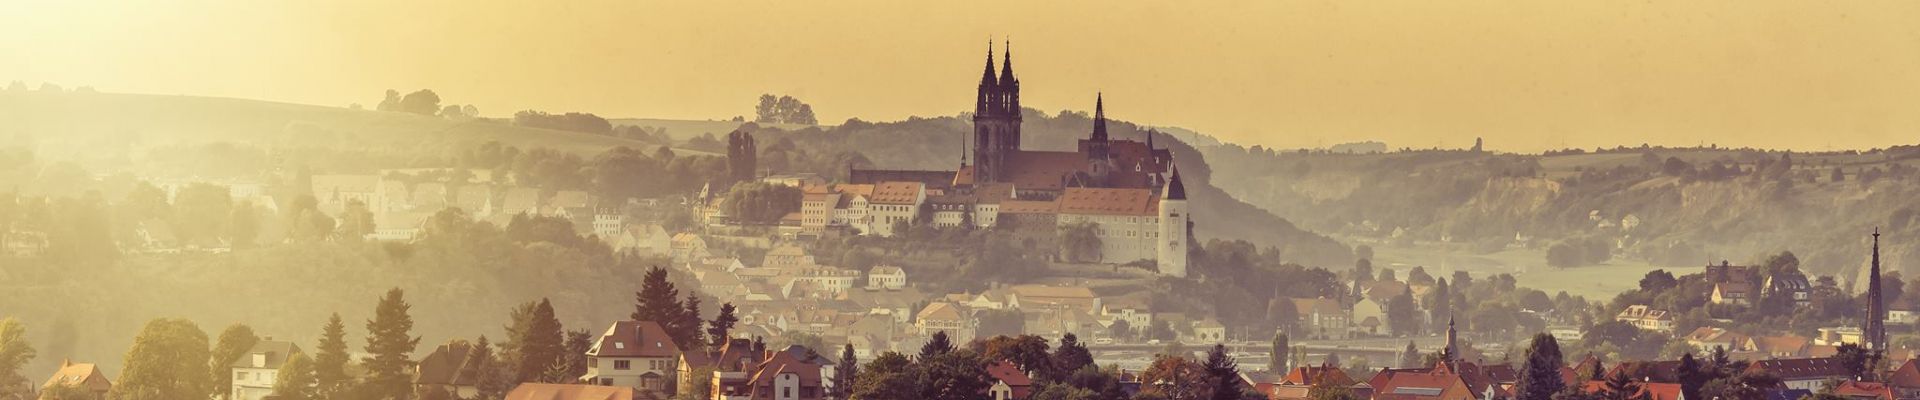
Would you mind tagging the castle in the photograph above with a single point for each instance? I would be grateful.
(1128, 190)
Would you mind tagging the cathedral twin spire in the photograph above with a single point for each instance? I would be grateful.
(999, 95)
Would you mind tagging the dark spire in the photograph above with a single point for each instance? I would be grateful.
(986, 78)
(1452, 349)
(1875, 332)
(1006, 66)
(1099, 117)
(1175, 190)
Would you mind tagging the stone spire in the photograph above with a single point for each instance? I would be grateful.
(1175, 190)
(1874, 332)
(1006, 68)
(1099, 117)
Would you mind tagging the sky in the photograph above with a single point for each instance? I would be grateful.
(1524, 75)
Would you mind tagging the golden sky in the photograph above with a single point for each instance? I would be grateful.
(1526, 74)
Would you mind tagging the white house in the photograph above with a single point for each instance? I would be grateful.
(886, 277)
(254, 373)
(636, 354)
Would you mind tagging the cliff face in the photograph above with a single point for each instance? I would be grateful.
(1667, 215)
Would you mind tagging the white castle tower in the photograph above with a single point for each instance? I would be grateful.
(1174, 223)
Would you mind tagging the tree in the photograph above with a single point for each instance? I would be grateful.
(1441, 307)
(15, 352)
(1621, 387)
(955, 375)
(1160, 329)
(690, 322)
(234, 343)
(1277, 354)
(1223, 373)
(936, 345)
(243, 226)
(391, 102)
(574, 354)
(423, 102)
(1857, 360)
(1028, 352)
(1410, 358)
(719, 329)
(330, 364)
(1325, 390)
(891, 376)
(493, 380)
(390, 344)
(1403, 317)
(295, 380)
(168, 362)
(1540, 374)
(1691, 376)
(1079, 242)
(843, 381)
(1120, 330)
(1175, 378)
(1070, 356)
(659, 301)
(534, 340)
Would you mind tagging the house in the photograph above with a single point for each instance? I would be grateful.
(729, 365)
(1732, 284)
(1780, 346)
(785, 375)
(1864, 390)
(1300, 381)
(1706, 338)
(1322, 318)
(1646, 318)
(555, 391)
(1790, 284)
(1905, 379)
(1431, 385)
(787, 256)
(254, 373)
(1803, 373)
(1132, 309)
(643, 240)
(1009, 382)
(886, 277)
(635, 354)
(452, 368)
(1370, 316)
(1647, 390)
(951, 318)
(1209, 331)
(85, 376)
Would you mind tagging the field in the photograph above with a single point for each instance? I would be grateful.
(1528, 266)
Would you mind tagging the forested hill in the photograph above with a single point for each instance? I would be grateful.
(935, 143)
(1666, 206)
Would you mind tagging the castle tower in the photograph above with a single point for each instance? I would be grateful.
(1873, 333)
(1174, 227)
(996, 120)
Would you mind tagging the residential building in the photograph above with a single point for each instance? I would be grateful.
(452, 368)
(1009, 382)
(785, 375)
(1803, 373)
(1706, 338)
(555, 391)
(85, 376)
(635, 354)
(255, 372)
(951, 318)
(886, 277)
(1646, 318)
(1322, 318)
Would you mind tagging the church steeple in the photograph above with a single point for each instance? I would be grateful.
(1099, 117)
(1874, 333)
(1451, 352)
(1175, 190)
(986, 78)
(1006, 66)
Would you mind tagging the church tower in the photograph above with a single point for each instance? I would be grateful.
(1097, 144)
(1873, 333)
(1174, 223)
(1451, 352)
(996, 120)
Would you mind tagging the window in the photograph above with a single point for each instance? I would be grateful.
(240, 376)
(622, 364)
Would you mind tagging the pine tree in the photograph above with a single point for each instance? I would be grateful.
(721, 327)
(575, 351)
(1691, 376)
(659, 301)
(492, 381)
(1223, 373)
(235, 342)
(1277, 361)
(1411, 357)
(937, 345)
(843, 375)
(330, 364)
(1441, 308)
(1540, 374)
(1621, 387)
(690, 323)
(539, 343)
(390, 344)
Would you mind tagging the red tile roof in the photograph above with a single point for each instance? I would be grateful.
(1044, 170)
(1862, 390)
(635, 339)
(555, 391)
(897, 192)
(1007, 372)
(1309, 376)
(1907, 375)
(1097, 201)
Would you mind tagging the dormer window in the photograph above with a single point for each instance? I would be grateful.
(619, 345)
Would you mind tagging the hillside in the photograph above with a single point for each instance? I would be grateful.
(1666, 207)
(111, 130)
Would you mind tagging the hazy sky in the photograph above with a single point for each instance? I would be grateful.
(1525, 74)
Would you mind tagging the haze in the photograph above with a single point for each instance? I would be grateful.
(1526, 75)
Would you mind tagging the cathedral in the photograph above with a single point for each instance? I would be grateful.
(1128, 190)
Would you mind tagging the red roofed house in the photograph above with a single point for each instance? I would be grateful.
(83, 375)
(453, 368)
(1646, 390)
(1803, 373)
(635, 354)
(785, 375)
(1009, 383)
(1864, 390)
(1300, 381)
(555, 391)
(1427, 385)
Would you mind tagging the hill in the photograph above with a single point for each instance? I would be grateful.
(1672, 207)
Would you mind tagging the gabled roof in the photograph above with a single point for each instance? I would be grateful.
(454, 363)
(897, 192)
(1907, 375)
(943, 311)
(72, 373)
(635, 339)
(276, 351)
(1044, 170)
(1007, 372)
(1863, 390)
(555, 391)
(1311, 375)
(1099, 201)
(784, 362)
(1801, 368)
(1645, 371)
